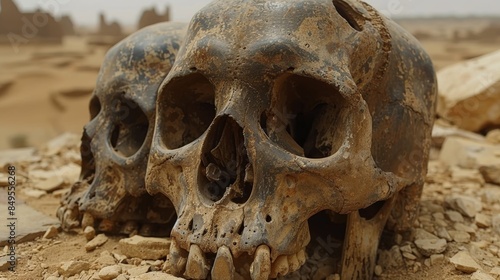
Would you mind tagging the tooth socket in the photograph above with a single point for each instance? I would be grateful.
(280, 267)
(196, 267)
(261, 266)
(176, 260)
(223, 267)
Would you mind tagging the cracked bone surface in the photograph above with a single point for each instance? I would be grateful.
(111, 194)
(284, 123)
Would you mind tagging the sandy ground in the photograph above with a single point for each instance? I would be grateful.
(44, 91)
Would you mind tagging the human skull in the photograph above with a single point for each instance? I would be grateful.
(116, 142)
(277, 110)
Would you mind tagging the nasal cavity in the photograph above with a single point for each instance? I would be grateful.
(225, 171)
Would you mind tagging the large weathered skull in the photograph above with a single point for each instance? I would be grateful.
(277, 110)
(116, 142)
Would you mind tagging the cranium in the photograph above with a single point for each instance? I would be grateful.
(277, 110)
(115, 145)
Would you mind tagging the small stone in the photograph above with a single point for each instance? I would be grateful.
(466, 205)
(106, 258)
(110, 272)
(479, 275)
(429, 247)
(423, 234)
(443, 233)
(323, 272)
(378, 270)
(51, 232)
(491, 174)
(71, 268)
(483, 220)
(410, 256)
(122, 277)
(34, 193)
(454, 216)
(495, 271)
(89, 233)
(50, 184)
(98, 241)
(462, 227)
(405, 249)
(145, 248)
(437, 259)
(460, 236)
(464, 262)
(136, 271)
(495, 222)
(156, 276)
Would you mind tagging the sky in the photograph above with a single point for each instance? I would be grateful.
(85, 12)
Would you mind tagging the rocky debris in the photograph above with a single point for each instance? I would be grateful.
(89, 233)
(495, 271)
(440, 132)
(110, 272)
(496, 223)
(98, 241)
(491, 173)
(429, 247)
(4, 263)
(466, 205)
(469, 154)
(493, 136)
(137, 271)
(156, 276)
(146, 248)
(454, 216)
(106, 258)
(483, 220)
(71, 268)
(474, 102)
(464, 262)
(51, 232)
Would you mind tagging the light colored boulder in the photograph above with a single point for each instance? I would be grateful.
(469, 92)
(464, 262)
(470, 154)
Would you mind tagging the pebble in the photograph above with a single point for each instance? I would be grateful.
(460, 236)
(71, 268)
(410, 256)
(495, 271)
(466, 205)
(89, 233)
(423, 234)
(98, 241)
(480, 275)
(136, 271)
(495, 223)
(378, 270)
(482, 220)
(464, 262)
(437, 259)
(156, 276)
(454, 216)
(51, 232)
(110, 272)
(429, 247)
(145, 248)
(106, 258)
(443, 233)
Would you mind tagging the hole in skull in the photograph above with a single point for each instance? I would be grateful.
(306, 117)
(371, 211)
(94, 107)
(130, 129)
(225, 167)
(269, 219)
(186, 108)
(352, 17)
(88, 160)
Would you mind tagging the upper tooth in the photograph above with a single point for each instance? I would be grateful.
(293, 263)
(223, 267)
(302, 257)
(176, 260)
(196, 267)
(261, 266)
(87, 220)
(280, 267)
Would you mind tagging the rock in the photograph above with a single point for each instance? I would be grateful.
(323, 272)
(464, 262)
(466, 205)
(469, 154)
(454, 216)
(473, 102)
(50, 184)
(34, 193)
(441, 132)
(483, 220)
(495, 271)
(495, 223)
(391, 258)
(156, 276)
(61, 143)
(461, 227)
(443, 233)
(493, 136)
(106, 258)
(51, 232)
(378, 270)
(436, 259)
(409, 256)
(136, 271)
(145, 247)
(71, 268)
(423, 234)
(110, 272)
(89, 233)
(98, 241)
(460, 236)
(479, 275)
(429, 247)
(4, 263)
(491, 173)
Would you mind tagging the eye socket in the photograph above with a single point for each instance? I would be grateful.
(130, 128)
(94, 107)
(187, 107)
(306, 117)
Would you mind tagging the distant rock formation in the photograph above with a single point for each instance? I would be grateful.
(67, 25)
(150, 17)
(112, 29)
(17, 27)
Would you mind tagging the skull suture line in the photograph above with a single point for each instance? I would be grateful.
(115, 145)
(277, 110)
